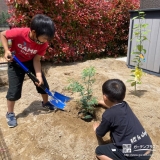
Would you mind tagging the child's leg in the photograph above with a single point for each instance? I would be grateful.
(10, 105)
(109, 152)
(104, 158)
(141, 157)
(45, 98)
(45, 102)
(41, 91)
(29, 65)
(15, 78)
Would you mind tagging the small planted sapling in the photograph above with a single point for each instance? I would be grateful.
(87, 100)
(140, 34)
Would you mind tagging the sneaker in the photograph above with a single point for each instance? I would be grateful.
(48, 105)
(11, 120)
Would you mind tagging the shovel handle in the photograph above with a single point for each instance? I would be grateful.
(55, 100)
(18, 61)
(29, 73)
(34, 79)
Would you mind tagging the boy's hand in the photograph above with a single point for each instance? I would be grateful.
(102, 103)
(95, 125)
(8, 56)
(40, 81)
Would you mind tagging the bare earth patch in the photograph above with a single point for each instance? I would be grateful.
(61, 135)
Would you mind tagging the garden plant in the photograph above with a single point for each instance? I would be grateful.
(83, 27)
(3, 23)
(140, 32)
(87, 100)
(4, 16)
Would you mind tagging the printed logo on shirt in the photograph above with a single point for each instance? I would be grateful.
(126, 148)
(113, 150)
(26, 50)
(138, 137)
(141, 147)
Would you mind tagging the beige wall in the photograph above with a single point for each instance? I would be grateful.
(144, 4)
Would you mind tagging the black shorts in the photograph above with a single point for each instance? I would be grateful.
(16, 77)
(111, 151)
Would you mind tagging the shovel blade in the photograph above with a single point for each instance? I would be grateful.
(62, 97)
(57, 103)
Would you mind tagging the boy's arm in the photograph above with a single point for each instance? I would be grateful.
(37, 68)
(99, 138)
(102, 128)
(95, 125)
(7, 54)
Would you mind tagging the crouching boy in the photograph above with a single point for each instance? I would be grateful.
(129, 139)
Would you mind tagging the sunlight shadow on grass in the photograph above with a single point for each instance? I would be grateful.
(138, 93)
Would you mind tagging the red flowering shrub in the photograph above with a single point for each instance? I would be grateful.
(119, 20)
(83, 27)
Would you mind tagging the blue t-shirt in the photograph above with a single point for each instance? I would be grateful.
(125, 129)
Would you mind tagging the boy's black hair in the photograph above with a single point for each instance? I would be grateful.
(43, 25)
(114, 89)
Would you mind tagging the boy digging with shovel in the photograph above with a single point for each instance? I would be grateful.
(30, 45)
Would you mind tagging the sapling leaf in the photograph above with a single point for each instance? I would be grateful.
(130, 80)
(144, 50)
(140, 12)
(87, 117)
(139, 47)
(135, 52)
(134, 61)
(87, 101)
(135, 17)
(133, 83)
(139, 31)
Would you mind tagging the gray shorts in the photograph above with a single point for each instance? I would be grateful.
(16, 77)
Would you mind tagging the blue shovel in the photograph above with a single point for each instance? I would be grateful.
(57, 99)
